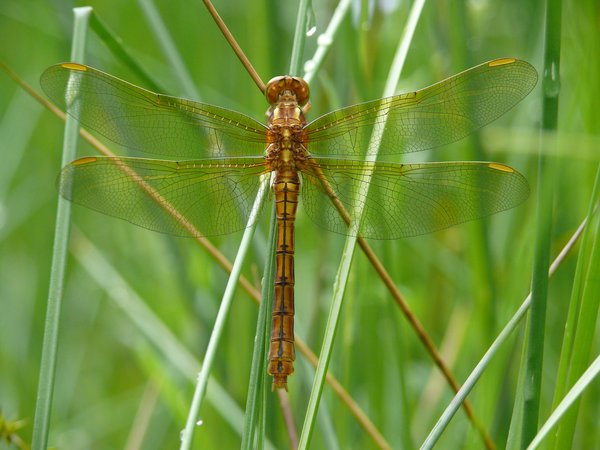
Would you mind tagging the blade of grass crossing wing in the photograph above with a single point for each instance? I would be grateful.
(169, 48)
(348, 252)
(211, 351)
(43, 408)
(114, 44)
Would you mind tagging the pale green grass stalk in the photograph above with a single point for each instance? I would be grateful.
(543, 238)
(169, 48)
(350, 245)
(479, 369)
(563, 407)
(312, 66)
(254, 420)
(111, 40)
(41, 426)
(586, 300)
(219, 325)
(299, 37)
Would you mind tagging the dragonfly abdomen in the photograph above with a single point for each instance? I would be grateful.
(281, 352)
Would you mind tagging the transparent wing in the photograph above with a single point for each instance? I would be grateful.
(216, 197)
(147, 122)
(439, 114)
(401, 200)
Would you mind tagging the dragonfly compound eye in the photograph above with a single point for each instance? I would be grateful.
(295, 85)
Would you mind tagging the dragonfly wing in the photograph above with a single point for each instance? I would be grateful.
(439, 114)
(401, 200)
(214, 197)
(144, 121)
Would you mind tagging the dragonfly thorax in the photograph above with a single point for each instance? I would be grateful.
(286, 135)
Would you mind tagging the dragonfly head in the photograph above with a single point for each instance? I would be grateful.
(287, 88)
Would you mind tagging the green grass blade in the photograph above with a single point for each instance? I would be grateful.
(325, 40)
(219, 325)
(513, 440)
(350, 245)
(114, 44)
(543, 239)
(584, 326)
(471, 380)
(255, 407)
(566, 354)
(169, 48)
(572, 396)
(41, 426)
(299, 37)
(474, 376)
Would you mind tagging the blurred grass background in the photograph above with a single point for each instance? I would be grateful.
(113, 382)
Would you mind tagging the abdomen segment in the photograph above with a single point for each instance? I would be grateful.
(281, 352)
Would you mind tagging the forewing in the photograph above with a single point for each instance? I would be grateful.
(401, 200)
(439, 114)
(144, 121)
(215, 197)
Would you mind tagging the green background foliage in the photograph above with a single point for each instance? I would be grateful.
(463, 283)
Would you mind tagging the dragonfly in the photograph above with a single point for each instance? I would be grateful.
(212, 160)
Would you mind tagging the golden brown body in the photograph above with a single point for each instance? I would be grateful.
(286, 154)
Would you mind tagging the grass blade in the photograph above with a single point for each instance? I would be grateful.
(114, 44)
(299, 36)
(41, 425)
(471, 380)
(350, 245)
(255, 409)
(188, 432)
(586, 301)
(325, 40)
(545, 197)
(169, 48)
(572, 396)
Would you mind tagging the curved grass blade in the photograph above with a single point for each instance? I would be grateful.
(586, 301)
